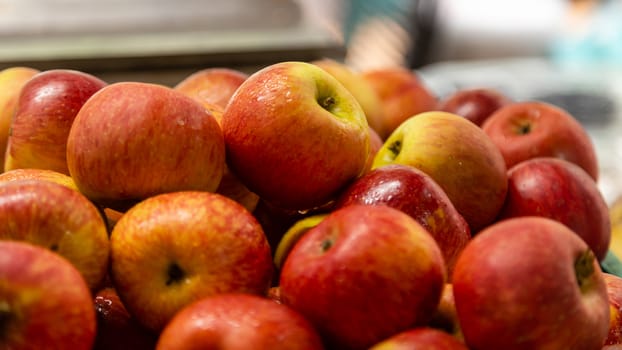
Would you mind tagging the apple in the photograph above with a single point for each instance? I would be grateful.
(530, 283)
(175, 248)
(38, 174)
(415, 193)
(562, 191)
(402, 95)
(44, 301)
(12, 80)
(60, 219)
(46, 108)
(360, 88)
(474, 104)
(459, 156)
(375, 144)
(614, 292)
(133, 140)
(445, 317)
(363, 274)
(238, 321)
(116, 328)
(295, 136)
(422, 338)
(529, 129)
(213, 85)
(293, 235)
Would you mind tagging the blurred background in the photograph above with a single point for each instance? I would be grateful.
(568, 52)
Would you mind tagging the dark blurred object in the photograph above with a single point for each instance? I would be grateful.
(588, 108)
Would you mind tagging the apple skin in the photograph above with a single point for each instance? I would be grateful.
(58, 218)
(529, 129)
(44, 301)
(238, 322)
(133, 140)
(12, 80)
(530, 283)
(402, 95)
(360, 88)
(363, 274)
(46, 108)
(422, 338)
(562, 191)
(175, 248)
(116, 328)
(474, 104)
(38, 174)
(415, 193)
(295, 136)
(614, 292)
(446, 317)
(459, 156)
(213, 85)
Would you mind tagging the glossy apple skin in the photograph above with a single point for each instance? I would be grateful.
(116, 328)
(12, 80)
(38, 174)
(474, 104)
(47, 106)
(422, 338)
(530, 283)
(562, 191)
(415, 193)
(45, 302)
(360, 88)
(614, 292)
(402, 95)
(213, 85)
(238, 322)
(524, 130)
(295, 136)
(172, 249)
(363, 274)
(134, 140)
(459, 156)
(58, 218)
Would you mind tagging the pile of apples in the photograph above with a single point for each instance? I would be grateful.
(302, 206)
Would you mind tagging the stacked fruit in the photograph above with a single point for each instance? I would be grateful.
(303, 206)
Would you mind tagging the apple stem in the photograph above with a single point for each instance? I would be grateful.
(524, 129)
(327, 102)
(5, 316)
(396, 147)
(326, 244)
(174, 274)
(584, 268)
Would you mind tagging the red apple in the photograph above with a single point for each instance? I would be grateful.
(459, 156)
(116, 328)
(530, 283)
(363, 274)
(423, 338)
(562, 191)
(38, 174)
(474, 104)
(295, 136)
(402, 95)
(175, 248)
(47, 106)
(58, 218)
(213, 85)
(134, 140)
(414, 192)
(238, 321)
(614, 292)
(524, 130)
(12, 80)
(44, 301)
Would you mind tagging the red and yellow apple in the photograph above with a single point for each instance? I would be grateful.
(238, 322)
(459, 156)
(38, 174)
(60, 219)
(134, 140)
(172, 249)
(614, 292)
(421, 338)
(12, 80)
(45, 111)
(362, 274)
(295, 136)
(44, 301)
(524, 130)
(530, 283)
(212, 86)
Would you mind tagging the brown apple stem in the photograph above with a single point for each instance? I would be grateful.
(174, 274)
(5, 318)
(327, 102)
(584, 268)
(523, 128)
